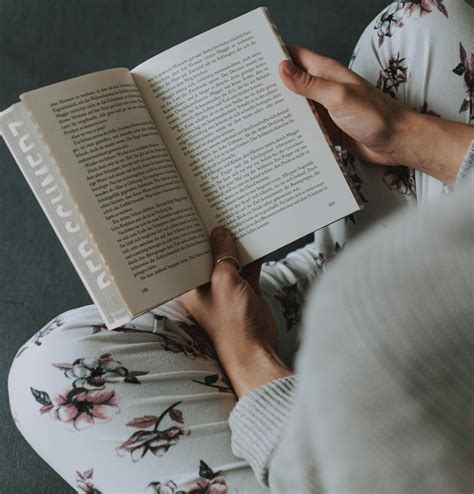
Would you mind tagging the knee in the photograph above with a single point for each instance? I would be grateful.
(36, 388)
(31, 369)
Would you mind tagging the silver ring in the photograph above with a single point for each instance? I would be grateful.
(229, 258)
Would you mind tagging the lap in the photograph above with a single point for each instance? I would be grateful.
(145, 404)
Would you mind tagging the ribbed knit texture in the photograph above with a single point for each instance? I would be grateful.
(385, 399)
(257, 422)
(467, 165)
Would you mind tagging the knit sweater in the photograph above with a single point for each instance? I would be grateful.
(383, 400)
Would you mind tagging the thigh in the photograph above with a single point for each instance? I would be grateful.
(141, 407)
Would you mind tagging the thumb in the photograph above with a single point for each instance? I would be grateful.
(328, 93)
(223, 245)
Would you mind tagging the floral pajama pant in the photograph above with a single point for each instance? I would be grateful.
(144, 408)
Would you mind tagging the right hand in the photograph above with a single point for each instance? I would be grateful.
(371, 124)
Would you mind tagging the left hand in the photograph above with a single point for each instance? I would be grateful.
(232, 310)
(372, 125)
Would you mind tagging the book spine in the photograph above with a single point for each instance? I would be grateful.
(312, 106)
(42, 173)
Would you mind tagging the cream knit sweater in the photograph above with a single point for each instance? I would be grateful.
(383, 400)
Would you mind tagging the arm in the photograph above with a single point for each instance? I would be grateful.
(435, 146)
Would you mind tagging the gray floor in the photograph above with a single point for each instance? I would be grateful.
(48, 41)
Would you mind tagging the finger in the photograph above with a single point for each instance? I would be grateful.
(251, 273)
(335, 133)
(321, 66)
(191, 299)
(330, 94)
(223, 245)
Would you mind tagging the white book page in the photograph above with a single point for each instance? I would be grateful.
(249, 151)
(125, 184)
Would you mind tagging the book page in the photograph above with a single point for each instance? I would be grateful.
(125, 184)
(249, 151)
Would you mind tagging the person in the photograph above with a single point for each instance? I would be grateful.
(383, 401)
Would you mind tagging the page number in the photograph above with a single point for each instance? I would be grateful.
(331, 204)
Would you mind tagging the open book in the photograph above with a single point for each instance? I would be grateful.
(135, 168)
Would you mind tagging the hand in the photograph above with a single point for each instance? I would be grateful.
(373, 125)
(232, 310)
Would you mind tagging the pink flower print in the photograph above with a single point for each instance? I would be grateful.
(82, 408)
(188, 339)
(393, 75)
(400, 179)
(201, 343)
(210, 482)
(54, 324)
(465, 68)
(91, 372)
(158, 442)
(420, 8)
(79, 407)
(212, 381)
(389, 21)
(395, 15)
(159, 488)
(84, 482)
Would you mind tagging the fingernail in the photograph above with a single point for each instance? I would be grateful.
(289, 68)
(219, 234)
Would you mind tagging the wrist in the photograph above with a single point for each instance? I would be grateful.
(433, 145)
(254, 367)
(411, 132)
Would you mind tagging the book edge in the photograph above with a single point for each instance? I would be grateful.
(312, 106)
(110, 323)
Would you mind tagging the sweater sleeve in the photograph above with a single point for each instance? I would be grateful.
(257, 423)
(263, 417)
(467, 165)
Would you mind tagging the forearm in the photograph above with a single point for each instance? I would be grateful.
(251, 367)
(434, 146)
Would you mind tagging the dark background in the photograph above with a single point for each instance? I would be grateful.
(47, 41)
